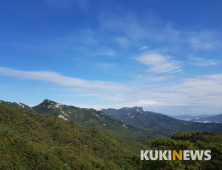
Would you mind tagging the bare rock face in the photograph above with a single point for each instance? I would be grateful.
(20, 104)
(138, 108)
(45, 101)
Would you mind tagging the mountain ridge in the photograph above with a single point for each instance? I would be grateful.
(121, 120)
(92, 118)
(158, 121)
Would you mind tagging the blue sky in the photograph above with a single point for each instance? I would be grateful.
(162, 55)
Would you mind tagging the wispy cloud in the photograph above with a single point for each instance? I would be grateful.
(79, 95)
(85, 36)
(205, 40)
(205, 90)
(202, 90)
(124, 42)
(57, 78)
(105, 53)
(198, 61)
(150, 79)
(143, 48)
(146, 103)
(156, 31)
(199, 91)
(159, 63)
(133, 29)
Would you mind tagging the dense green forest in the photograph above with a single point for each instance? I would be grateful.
(184, 141)
(33, 141)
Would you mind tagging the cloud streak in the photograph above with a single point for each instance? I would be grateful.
(136, 30)
(60, 79)
(205, 40)
(202, 62)
(143, 48)
(158, 63)
(124, 42)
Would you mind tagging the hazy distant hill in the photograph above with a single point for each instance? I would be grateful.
(188, 117)
(216, 118)
(150, 120)
(201, 118)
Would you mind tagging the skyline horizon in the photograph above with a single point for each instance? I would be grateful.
(100, 109)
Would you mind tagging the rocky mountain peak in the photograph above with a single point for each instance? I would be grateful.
(45, 101)
(137, 108)
(48, 103)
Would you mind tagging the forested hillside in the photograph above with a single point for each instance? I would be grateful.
(185, 141)
(18, 106)
(91, 118)
(33, 141)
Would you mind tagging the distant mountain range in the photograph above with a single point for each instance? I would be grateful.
(90, 118)
(127, 123)
(137, 116)
(213, 119)
(188, 117)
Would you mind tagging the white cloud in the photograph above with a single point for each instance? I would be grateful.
(176, 71)
(205, 91)
(60, 79)
(143, 48)
(146, 103)
(158, 63)
(111, 53)
(202, 91)
(141, 79)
